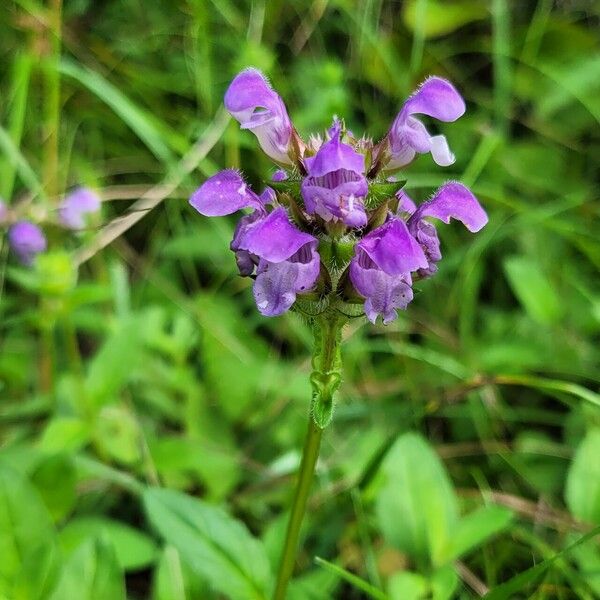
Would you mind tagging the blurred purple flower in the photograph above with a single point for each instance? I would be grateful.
(335, 185)
(77, 206)
(285, 258)
(27, 241)
(436, 98)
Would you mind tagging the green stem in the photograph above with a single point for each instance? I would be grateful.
(324, 380)
(307, 469)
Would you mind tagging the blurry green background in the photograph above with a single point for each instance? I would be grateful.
(157, 370)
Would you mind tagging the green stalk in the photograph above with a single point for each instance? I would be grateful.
(325, 380)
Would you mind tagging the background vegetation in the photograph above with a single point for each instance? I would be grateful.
(151, 419)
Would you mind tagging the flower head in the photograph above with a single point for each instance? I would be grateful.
(77, 206)
(331, 218)
(27, 241)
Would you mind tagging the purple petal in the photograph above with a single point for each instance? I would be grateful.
(279, 175)
(393, 249)
(335, 186)
(405, 203)
(437, 98)
(277, 284)
(256, 106)
(334, 155)
(452, 201)
(245, 260)
(274, 238)
(383, 293)
(26, 240)
(426, 234)
(77, 206)
(223, 194)
(440, 151)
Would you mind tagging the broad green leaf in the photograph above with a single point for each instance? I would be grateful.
(134, 549)
(583, 480)
(25, 524)
(406, 585)
(441, 17)
(92, 572)
(39, 574)
(55, 479)
(416, 506)
(173, 579)
(476, 528)
(118, 434)
(443, 583)
(65, 434)
(216, 546)
(533, 289)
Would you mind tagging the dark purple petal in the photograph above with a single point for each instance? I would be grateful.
(77, 207)
(437, 98)
(223, 194)
(274, 238)
(277, 284)
(245, 260)
(256, 106)
(383, 293)
(453, 200)
(426, 234)
(334, 155)
(27, 241)
(393, 249)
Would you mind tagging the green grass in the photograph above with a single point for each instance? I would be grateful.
(157, 371)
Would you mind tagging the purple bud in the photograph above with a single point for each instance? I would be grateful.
(77, 207)
(27, 241)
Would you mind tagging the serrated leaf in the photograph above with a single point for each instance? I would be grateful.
(219, 548)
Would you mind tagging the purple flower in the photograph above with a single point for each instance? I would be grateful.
(26, 240)
(256, 106)
(335, 185)
(452, 200)
(381, 267)
(285, 258)
(407, 136)
(77, 207)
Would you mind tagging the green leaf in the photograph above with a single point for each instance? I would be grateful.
(476, 528)
(118, 434)
(583, 480)
(25, 524)
(443, 583)
(216, 546)
(66, 434)
(406, 585)
(174, 581)
(55, 479)
(133, 549)
(91, 573)
(440, 17)
(110, 369)
(533, 289)
(416, 506)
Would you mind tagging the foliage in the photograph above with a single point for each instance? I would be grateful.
(151, 420)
